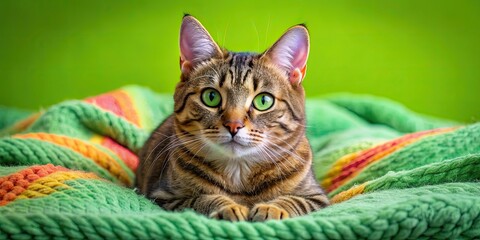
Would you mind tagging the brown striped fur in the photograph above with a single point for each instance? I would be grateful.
(192, 160)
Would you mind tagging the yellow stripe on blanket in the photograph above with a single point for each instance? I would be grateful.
(87, 150)
(352, 192)
(49, 184)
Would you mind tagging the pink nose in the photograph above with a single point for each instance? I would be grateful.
(233, 126)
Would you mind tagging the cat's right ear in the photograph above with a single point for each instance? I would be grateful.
(290, 53)
(196, 44)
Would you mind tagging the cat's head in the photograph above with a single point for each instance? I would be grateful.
(240, 105)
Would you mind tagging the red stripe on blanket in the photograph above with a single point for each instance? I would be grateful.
(14, 184)
(117, 102)
(365, 158)
(128, 157)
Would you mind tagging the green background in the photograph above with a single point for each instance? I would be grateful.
(424, 54)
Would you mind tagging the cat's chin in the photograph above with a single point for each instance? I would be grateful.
(233, 150)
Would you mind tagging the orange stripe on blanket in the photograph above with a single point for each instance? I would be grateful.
(14, 184)
(36, 181)
(102, 159)
(345, 195)
(53, 182)
(351, 165)
(127, 156)
(119, 102)
(25, 123)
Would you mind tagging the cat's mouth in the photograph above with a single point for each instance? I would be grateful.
(232, 143)
(233, 148)
(237, 141)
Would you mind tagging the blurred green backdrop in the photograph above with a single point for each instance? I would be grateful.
(425, 54)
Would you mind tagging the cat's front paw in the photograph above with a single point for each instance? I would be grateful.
(232, 212)
(263, 212)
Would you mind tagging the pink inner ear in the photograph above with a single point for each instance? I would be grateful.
(185, 51)
(291, 51)
(196, 45)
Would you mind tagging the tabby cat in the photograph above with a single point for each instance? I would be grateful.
(235, 146)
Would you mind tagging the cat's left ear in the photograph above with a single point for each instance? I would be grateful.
(196, 44)
(290, 53)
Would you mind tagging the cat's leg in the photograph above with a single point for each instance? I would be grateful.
(214, 206)
(288, 206)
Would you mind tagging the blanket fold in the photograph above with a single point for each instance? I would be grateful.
(67, 172)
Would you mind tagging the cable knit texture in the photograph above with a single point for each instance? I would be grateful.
(67, 172)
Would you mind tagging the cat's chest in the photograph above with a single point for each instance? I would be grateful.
(236, 175)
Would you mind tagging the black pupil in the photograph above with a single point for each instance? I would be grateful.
(211, 95)
(264, 99)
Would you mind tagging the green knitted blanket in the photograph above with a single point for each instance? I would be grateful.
(66, 171)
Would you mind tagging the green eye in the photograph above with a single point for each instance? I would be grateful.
(211, 97)
(263, 101)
